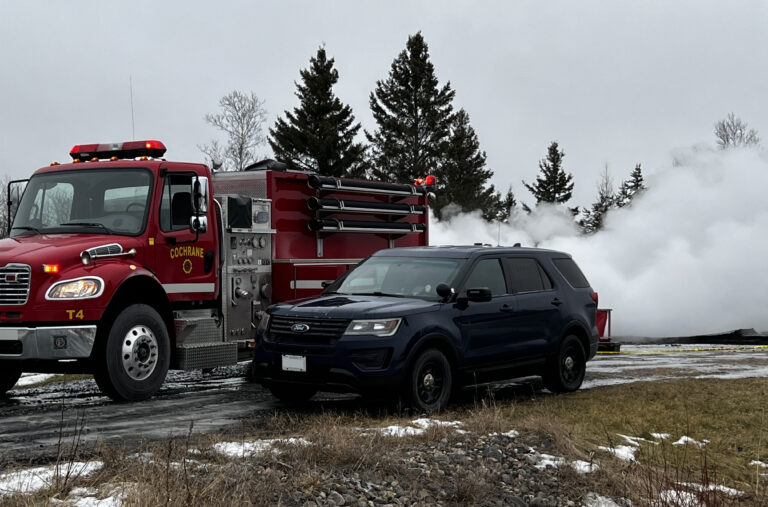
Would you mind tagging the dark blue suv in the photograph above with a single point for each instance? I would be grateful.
(422, 322)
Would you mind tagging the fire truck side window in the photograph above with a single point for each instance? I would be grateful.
(176, 205)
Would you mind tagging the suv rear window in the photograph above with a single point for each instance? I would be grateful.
(571, 272)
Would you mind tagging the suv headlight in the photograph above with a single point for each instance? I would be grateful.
(263, 323)
(80, 288)
(377, 327)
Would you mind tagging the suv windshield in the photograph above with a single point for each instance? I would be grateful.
(100, 201)
(400, 276)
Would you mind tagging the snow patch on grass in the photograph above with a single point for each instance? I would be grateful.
(688, 440)
(625, 452)
(245, 449)
(508, 434)
(31, 480)
(418, 427)
(595, 500)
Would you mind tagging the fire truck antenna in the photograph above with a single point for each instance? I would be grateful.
(133, 124)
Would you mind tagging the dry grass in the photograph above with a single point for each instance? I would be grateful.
(731, 414)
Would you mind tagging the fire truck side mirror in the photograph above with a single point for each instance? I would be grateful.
(200, 194)
(198, 224)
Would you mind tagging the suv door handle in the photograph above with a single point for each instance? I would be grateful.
(557, 302)
(506, 308)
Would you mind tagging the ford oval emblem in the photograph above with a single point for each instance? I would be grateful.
(299, 328)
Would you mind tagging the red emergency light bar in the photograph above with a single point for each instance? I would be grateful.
(129, 149)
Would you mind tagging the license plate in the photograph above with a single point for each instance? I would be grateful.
(294, 363)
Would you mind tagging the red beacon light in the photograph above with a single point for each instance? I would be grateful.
(115, 151)
(429, 181)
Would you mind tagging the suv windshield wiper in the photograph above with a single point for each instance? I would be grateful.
(26, 228)
(90, 224)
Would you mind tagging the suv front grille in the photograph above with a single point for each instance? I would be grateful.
(320, 332)
(14, 284)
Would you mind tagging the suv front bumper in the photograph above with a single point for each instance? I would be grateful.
(66, 342)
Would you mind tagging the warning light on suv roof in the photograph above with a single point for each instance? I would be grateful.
(129, 149)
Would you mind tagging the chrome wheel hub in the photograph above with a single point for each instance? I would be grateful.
(429, 381)
(139, 352)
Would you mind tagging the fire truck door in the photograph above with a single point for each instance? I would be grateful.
(185, 261)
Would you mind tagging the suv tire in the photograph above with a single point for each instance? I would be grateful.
(132, 360)
(291, 393)
(429, 381)
(566, 372)
(10, 373)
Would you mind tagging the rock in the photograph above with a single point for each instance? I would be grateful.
(335, 498)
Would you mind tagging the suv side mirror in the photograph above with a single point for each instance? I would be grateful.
(444, 291)
(479, 294)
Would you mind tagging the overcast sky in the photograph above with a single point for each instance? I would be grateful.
(615, 83)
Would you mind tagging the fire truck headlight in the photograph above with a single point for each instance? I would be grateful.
(378, 327)
(79, 288)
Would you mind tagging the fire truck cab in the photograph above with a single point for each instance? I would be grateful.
(125, 265)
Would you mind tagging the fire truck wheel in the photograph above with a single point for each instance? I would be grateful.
(430, 381)
(10, 373)
(291, 393)
(566, 372)
(131, 363)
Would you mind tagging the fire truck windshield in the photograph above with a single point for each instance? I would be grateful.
(400, 277)
(95, 201)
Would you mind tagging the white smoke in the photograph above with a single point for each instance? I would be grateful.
(690, 256)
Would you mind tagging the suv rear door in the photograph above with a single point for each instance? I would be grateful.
(539, 309)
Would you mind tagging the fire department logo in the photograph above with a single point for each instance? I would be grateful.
(187, 266)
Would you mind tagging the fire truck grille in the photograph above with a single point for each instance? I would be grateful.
(302, 331)
(14, 284)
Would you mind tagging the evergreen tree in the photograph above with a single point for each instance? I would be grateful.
(319, 135)
(553, 185)
(631, 188)
(594, 218)
(500, 209)
(413, 116)
(463, 177)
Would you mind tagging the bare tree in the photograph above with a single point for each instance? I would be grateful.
(241, 117)
(733, 132)
(3, 206)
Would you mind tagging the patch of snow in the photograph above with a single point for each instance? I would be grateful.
(625, 452)
(31, 480)
(244, 449)
(28, 379)
(712, 487)
(584, 467)
(595, 500)
(679, 498)
(660, 436)
(688, 440)
(400, 431)
(636, 441)
(547, 460)
(757, 463)
(92, 501)
(508, 434)
(427, 423)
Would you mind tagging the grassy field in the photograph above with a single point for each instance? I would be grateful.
(729, 414)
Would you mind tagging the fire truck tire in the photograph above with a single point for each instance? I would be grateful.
(10, 373)
(291, 393)
(429, 383)
(132, 361)
(566, 371)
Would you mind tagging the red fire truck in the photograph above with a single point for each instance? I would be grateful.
(124, 264)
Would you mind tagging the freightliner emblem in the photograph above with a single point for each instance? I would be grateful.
(299, 328)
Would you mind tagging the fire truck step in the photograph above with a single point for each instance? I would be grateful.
(198, 356)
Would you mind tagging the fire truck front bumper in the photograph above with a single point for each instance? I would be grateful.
(66, 342)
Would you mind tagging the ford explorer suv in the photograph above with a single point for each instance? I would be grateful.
(422, 322)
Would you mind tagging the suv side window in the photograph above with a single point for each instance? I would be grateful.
(527, 275)
(571, 272)
(487, 273)
(176, 204)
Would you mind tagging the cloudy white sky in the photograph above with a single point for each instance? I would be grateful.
(615, 83)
